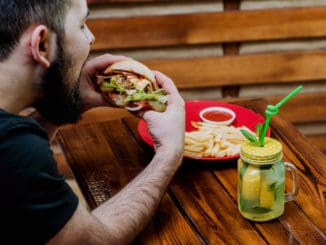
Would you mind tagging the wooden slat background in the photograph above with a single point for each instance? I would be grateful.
(205, 28)
(244, 69)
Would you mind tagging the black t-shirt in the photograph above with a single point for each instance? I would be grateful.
(36, 202)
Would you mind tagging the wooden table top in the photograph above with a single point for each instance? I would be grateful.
(200, 206)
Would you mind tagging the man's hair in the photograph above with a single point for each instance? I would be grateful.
(17, 15)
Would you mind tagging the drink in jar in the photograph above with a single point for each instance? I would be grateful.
(261, 181)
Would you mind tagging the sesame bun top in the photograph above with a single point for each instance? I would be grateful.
(132, 66)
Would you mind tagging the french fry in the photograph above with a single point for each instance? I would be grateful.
(195, 148)
(209, 140)
(198, 136)
(192, 154)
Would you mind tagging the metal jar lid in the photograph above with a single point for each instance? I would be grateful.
(270, 153)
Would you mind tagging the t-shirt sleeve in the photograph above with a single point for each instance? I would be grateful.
(36, 200)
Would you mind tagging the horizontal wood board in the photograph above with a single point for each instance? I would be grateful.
(207, 28)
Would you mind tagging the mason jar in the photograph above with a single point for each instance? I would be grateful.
(261, 181)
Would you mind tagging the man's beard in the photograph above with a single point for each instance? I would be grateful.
(60, 103)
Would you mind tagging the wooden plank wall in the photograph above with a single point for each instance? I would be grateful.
(200, 45)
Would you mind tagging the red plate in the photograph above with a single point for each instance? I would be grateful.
(244, 117)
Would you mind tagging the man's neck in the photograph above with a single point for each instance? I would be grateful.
(16, 86)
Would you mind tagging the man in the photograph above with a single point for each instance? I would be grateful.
(44, 45)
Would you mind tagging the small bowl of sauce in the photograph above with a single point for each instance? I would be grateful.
(217, 115)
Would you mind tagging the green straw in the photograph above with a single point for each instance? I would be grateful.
(273, 110)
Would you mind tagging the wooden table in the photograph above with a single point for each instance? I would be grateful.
(200, 205)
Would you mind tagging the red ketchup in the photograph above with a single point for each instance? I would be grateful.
(217, 116)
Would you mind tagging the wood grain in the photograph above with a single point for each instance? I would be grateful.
(268, 68)
(211, 209)
(312, 104)
(318, 140)
(207, 28)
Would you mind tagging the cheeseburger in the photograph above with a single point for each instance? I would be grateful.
(131, 85)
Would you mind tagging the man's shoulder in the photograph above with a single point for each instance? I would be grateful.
(11, 124)
(24, 149)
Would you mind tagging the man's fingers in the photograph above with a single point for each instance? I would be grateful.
(169, 87)
(166, 82)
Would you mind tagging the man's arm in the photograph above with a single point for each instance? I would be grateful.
(124, 216)
(139, 199)
(121, 218)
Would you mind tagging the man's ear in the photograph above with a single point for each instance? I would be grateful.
(43, 45)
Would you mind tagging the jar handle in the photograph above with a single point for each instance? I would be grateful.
(290, 196)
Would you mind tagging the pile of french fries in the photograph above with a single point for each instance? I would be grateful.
(213, 141)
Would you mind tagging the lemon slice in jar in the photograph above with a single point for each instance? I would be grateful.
(251, 184)
(267, 196)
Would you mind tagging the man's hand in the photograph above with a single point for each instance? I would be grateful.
(90, 96)
(169, 126)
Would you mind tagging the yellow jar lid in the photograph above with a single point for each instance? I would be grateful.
(269, 153)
